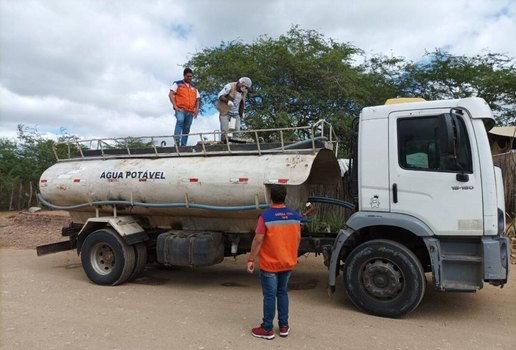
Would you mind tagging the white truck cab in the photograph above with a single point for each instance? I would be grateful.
(429, 199)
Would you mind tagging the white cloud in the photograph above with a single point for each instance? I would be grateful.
(103, 68)
(52, 115)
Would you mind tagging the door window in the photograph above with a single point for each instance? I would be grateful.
(419, 148)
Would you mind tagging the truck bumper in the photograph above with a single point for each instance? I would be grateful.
(463, 264)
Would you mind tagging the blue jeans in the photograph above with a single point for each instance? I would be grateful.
(183, 122)
(275, 288)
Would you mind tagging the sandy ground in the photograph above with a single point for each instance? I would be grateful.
(48, 303)
(25, 230)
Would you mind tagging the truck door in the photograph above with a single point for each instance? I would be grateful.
(429, 181)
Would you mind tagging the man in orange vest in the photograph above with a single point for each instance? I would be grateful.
(185, 100)
(276, 243)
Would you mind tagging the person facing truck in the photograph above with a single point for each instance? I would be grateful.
(185, 100)
(276, 243)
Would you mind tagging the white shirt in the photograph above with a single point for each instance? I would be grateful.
(238, 97)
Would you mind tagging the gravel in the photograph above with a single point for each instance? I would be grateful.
(25, 230)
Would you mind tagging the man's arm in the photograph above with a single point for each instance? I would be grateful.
(241, 108)
(309, 210)
(172, 97)
(196, 108)
(255, 249)
(197, 103)
(223, 94)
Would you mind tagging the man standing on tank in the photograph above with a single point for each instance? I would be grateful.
(276, 243)
(231, 104)
(185, 99)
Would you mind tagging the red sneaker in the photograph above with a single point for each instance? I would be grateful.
(283, 331)
(259, 332)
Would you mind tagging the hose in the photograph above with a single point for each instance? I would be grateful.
(153, 205)
(189, 205)
(301, 143)
(333, 201)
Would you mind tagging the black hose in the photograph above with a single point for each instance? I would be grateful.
(304, 142)
(333, 201)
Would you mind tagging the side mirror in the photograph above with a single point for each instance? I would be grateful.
(446, 134)
(450, 139)
(449, 133)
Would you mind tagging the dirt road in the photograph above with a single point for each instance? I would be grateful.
(48, 303)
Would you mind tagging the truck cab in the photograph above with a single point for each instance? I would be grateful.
(429, 200)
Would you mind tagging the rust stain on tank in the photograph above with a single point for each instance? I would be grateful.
(62, 188)
(294, 161)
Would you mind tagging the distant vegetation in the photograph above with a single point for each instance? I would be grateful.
(302, 76)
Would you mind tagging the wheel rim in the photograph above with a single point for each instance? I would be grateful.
(382, 279)
(102, 258)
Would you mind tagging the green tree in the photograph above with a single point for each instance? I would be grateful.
(21, 165)
(386, 79)
(35, 154)
(298, 78)
(8, 176)
(441, 75)
(301, 77)
(132, 142)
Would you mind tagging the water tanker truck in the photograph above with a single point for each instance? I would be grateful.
(426, 199)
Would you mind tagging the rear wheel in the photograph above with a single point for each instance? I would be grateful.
(140, 251)
(384, 278)
(106, 258)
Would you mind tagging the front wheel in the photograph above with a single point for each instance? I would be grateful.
(106, 258)
(384, 278)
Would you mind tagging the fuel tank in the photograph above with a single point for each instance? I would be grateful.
(224, 193)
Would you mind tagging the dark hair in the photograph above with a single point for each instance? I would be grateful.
(278, 193)
(187, 70)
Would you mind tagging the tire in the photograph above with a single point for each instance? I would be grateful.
(106, 258)
(140, 251)
(384, 278)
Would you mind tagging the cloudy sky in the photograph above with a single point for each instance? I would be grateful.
(100, 68)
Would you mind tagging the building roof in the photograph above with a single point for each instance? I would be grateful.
(507, 131)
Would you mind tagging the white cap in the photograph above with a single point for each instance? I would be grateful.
(245, 81)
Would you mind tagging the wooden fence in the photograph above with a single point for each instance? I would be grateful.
(507, 162)
(17, 195)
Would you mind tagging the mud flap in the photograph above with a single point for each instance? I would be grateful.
(335, 257)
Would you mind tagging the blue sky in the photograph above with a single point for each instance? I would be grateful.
(104, 68)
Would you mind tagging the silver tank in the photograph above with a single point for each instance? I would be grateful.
(223, 193)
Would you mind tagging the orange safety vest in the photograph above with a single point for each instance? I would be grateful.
(185, 96)
(281, 242)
